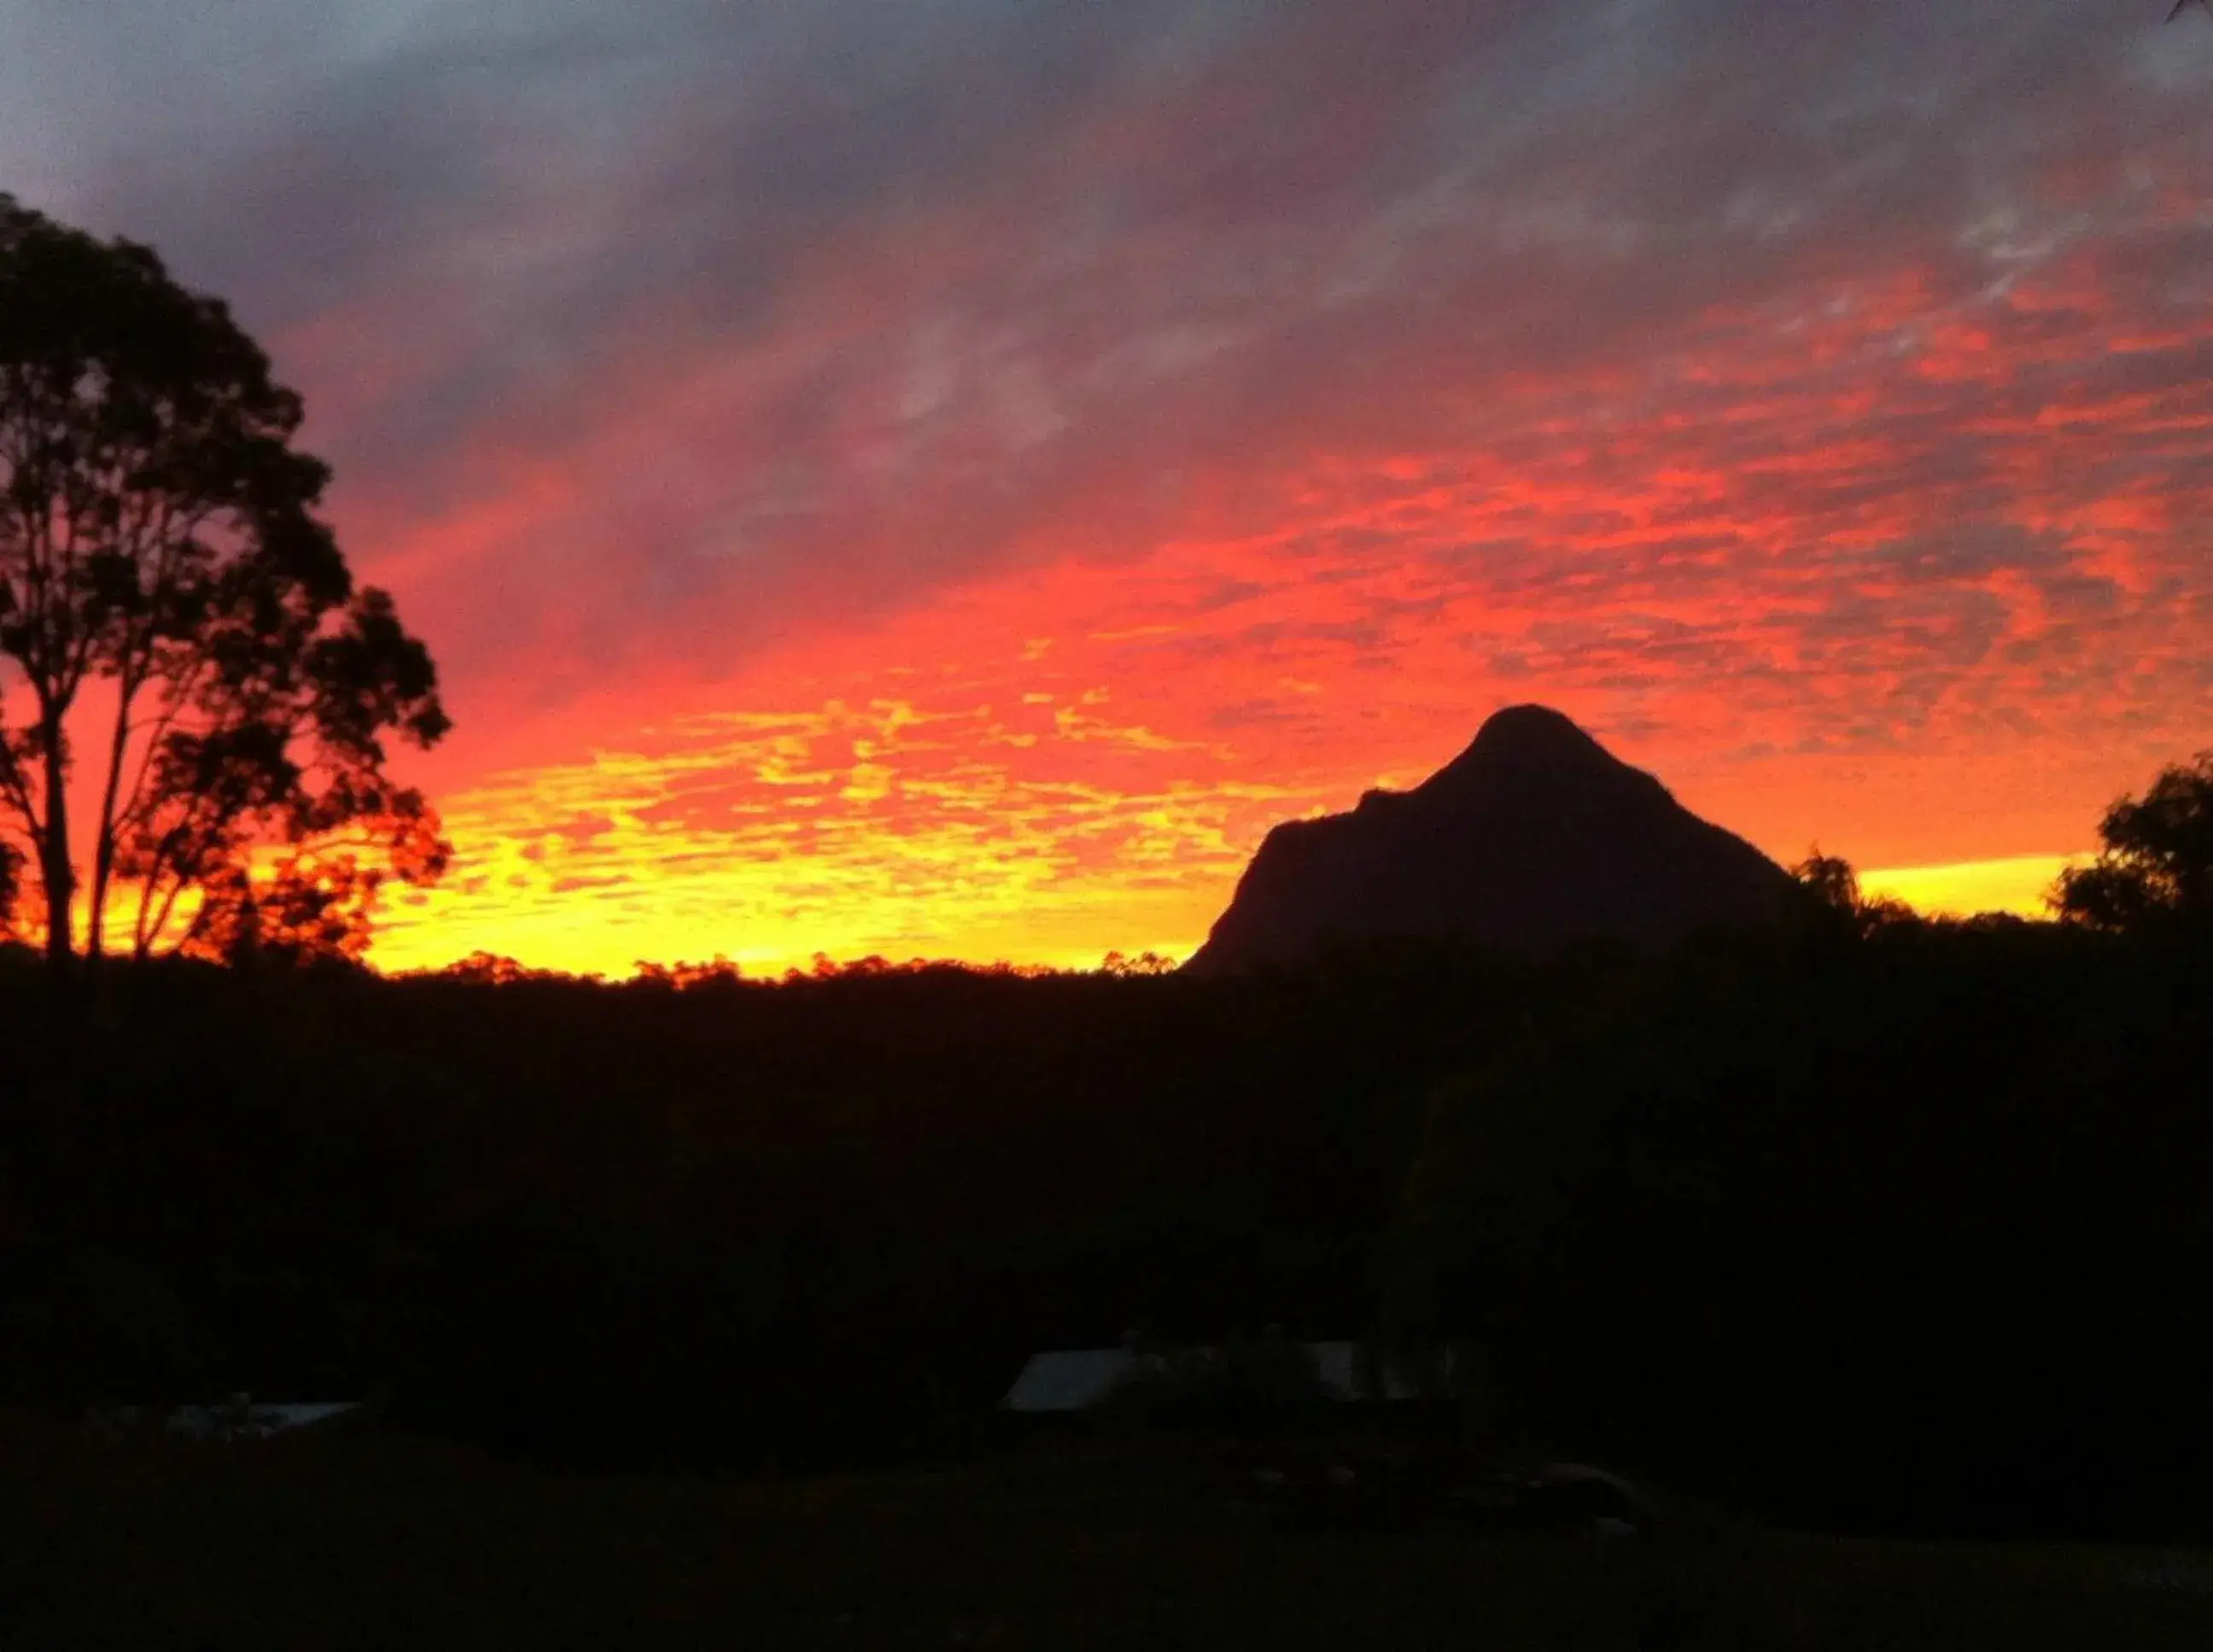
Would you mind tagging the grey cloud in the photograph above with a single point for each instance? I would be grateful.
(1218, 234)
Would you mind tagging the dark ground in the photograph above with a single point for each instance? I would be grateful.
(382, 1541)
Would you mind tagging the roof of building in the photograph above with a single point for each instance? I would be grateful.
(1069, 1379)
(249, 1420)
(1076, 1379)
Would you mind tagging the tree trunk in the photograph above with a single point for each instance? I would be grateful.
(55, 870)
(103, 850)
(103, 868)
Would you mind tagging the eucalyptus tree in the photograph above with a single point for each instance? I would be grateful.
(195, 700)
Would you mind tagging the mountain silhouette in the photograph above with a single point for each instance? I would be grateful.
(1533, 838)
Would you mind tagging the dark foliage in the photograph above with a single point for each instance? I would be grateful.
(1898, 1227)
(721, 1223)
(2155, 868)
(1908, 1231)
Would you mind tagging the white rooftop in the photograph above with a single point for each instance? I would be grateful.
(1076, 1379)
(252, 1420)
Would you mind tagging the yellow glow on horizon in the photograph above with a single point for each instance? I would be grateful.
(850, 831)
(2017, 885)
(590, 939)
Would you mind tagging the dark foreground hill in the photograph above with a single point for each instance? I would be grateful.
(1532, 839)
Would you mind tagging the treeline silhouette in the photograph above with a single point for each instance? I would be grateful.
(726, 1223)
(1859, 1221)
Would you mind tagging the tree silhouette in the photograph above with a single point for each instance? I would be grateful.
(2156, 867)
(1830, 880)
(1835, 889)
(182, 623)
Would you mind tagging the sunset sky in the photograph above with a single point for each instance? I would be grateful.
(942, 477)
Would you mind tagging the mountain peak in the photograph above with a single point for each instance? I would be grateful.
(1522, 745)
(1532, 725)
(1534, 837)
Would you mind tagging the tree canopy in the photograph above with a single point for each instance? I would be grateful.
(182, 650)
(2156, 866)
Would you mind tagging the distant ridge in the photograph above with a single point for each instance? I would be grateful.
(1534, 837)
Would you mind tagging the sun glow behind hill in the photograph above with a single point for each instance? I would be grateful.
(2018, 885)
(893, 897)
(883, 898)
